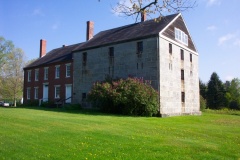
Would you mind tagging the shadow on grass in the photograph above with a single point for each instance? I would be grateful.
(85, 111)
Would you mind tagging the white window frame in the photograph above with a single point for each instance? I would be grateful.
(36, 74)
(29, 75)
(36, 92)
(181, 36)
(57, 96)
(57, 71)
(28, 92)
(46, 73)
(68, 66)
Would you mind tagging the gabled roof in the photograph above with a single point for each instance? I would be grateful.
(54, 56)
(129, 32)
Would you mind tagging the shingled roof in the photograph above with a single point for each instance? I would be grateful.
(56, 55)
(126, 33)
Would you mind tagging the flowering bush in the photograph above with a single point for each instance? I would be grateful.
(132, 96)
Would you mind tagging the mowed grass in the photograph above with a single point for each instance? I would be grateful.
(51, 134)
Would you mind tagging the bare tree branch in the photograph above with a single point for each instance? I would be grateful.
(157, 8)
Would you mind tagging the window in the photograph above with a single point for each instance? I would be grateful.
(170, 65)
(29, 76)
(170, 48)
(84, 96)
(36, 74)
(182, 74)
(139, 48)
(57, 91)
(183, 97)
(68, 70)
(57, 71)
(84, 58)
(190, 57)
(111, 55)
(46, 73)
(182, 54)
(28, 93)
(181, 36)
(36, 92)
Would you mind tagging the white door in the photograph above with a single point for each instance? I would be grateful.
(45, 92)
(68, 94)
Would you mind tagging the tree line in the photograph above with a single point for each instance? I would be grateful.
(12, 61)
(218, 95)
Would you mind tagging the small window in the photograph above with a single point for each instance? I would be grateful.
(84, 96)
(36, 92)
(170, 48)
(28, 93)
(190, 57)
(170, 66)
(111, 52)
(57, 91)
(29, 76)
(183, 97)
(111, 55)
(57, 71)
(68, 70)
(139, 48)
(46, 73)
(84, 59)
(36, 74)
(182, 54)
(182, 74)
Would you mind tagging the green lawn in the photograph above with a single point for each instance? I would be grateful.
(49, 134)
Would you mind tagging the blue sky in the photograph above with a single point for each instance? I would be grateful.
(214, 26)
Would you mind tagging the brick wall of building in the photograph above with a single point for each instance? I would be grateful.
(52, 82)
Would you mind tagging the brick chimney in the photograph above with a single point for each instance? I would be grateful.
(143, 16)
(43, 44)
(90, 29)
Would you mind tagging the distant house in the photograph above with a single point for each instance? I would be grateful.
(162, 52)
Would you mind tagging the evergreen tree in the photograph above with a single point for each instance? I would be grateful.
(215, 93)
(203, 89)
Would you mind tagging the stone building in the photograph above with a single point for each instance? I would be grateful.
(162, 52)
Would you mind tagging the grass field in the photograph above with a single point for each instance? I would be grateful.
(52, 134)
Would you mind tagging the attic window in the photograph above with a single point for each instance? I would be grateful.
(181, 36)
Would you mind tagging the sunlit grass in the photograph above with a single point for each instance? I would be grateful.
(48, 134)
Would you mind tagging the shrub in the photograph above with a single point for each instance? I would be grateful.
(132, 96)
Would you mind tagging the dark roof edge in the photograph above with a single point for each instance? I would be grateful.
(46, 65)
(108, 44)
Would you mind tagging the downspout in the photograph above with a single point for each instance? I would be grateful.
(158, 72)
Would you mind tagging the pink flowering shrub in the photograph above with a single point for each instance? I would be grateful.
(132, 96)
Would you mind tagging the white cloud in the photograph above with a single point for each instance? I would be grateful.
(211, 28)
(237, 42)
(225, 38)
(38, 12)
(213, 2)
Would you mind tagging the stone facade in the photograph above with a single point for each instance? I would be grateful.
(126, 62)
(171, 83)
